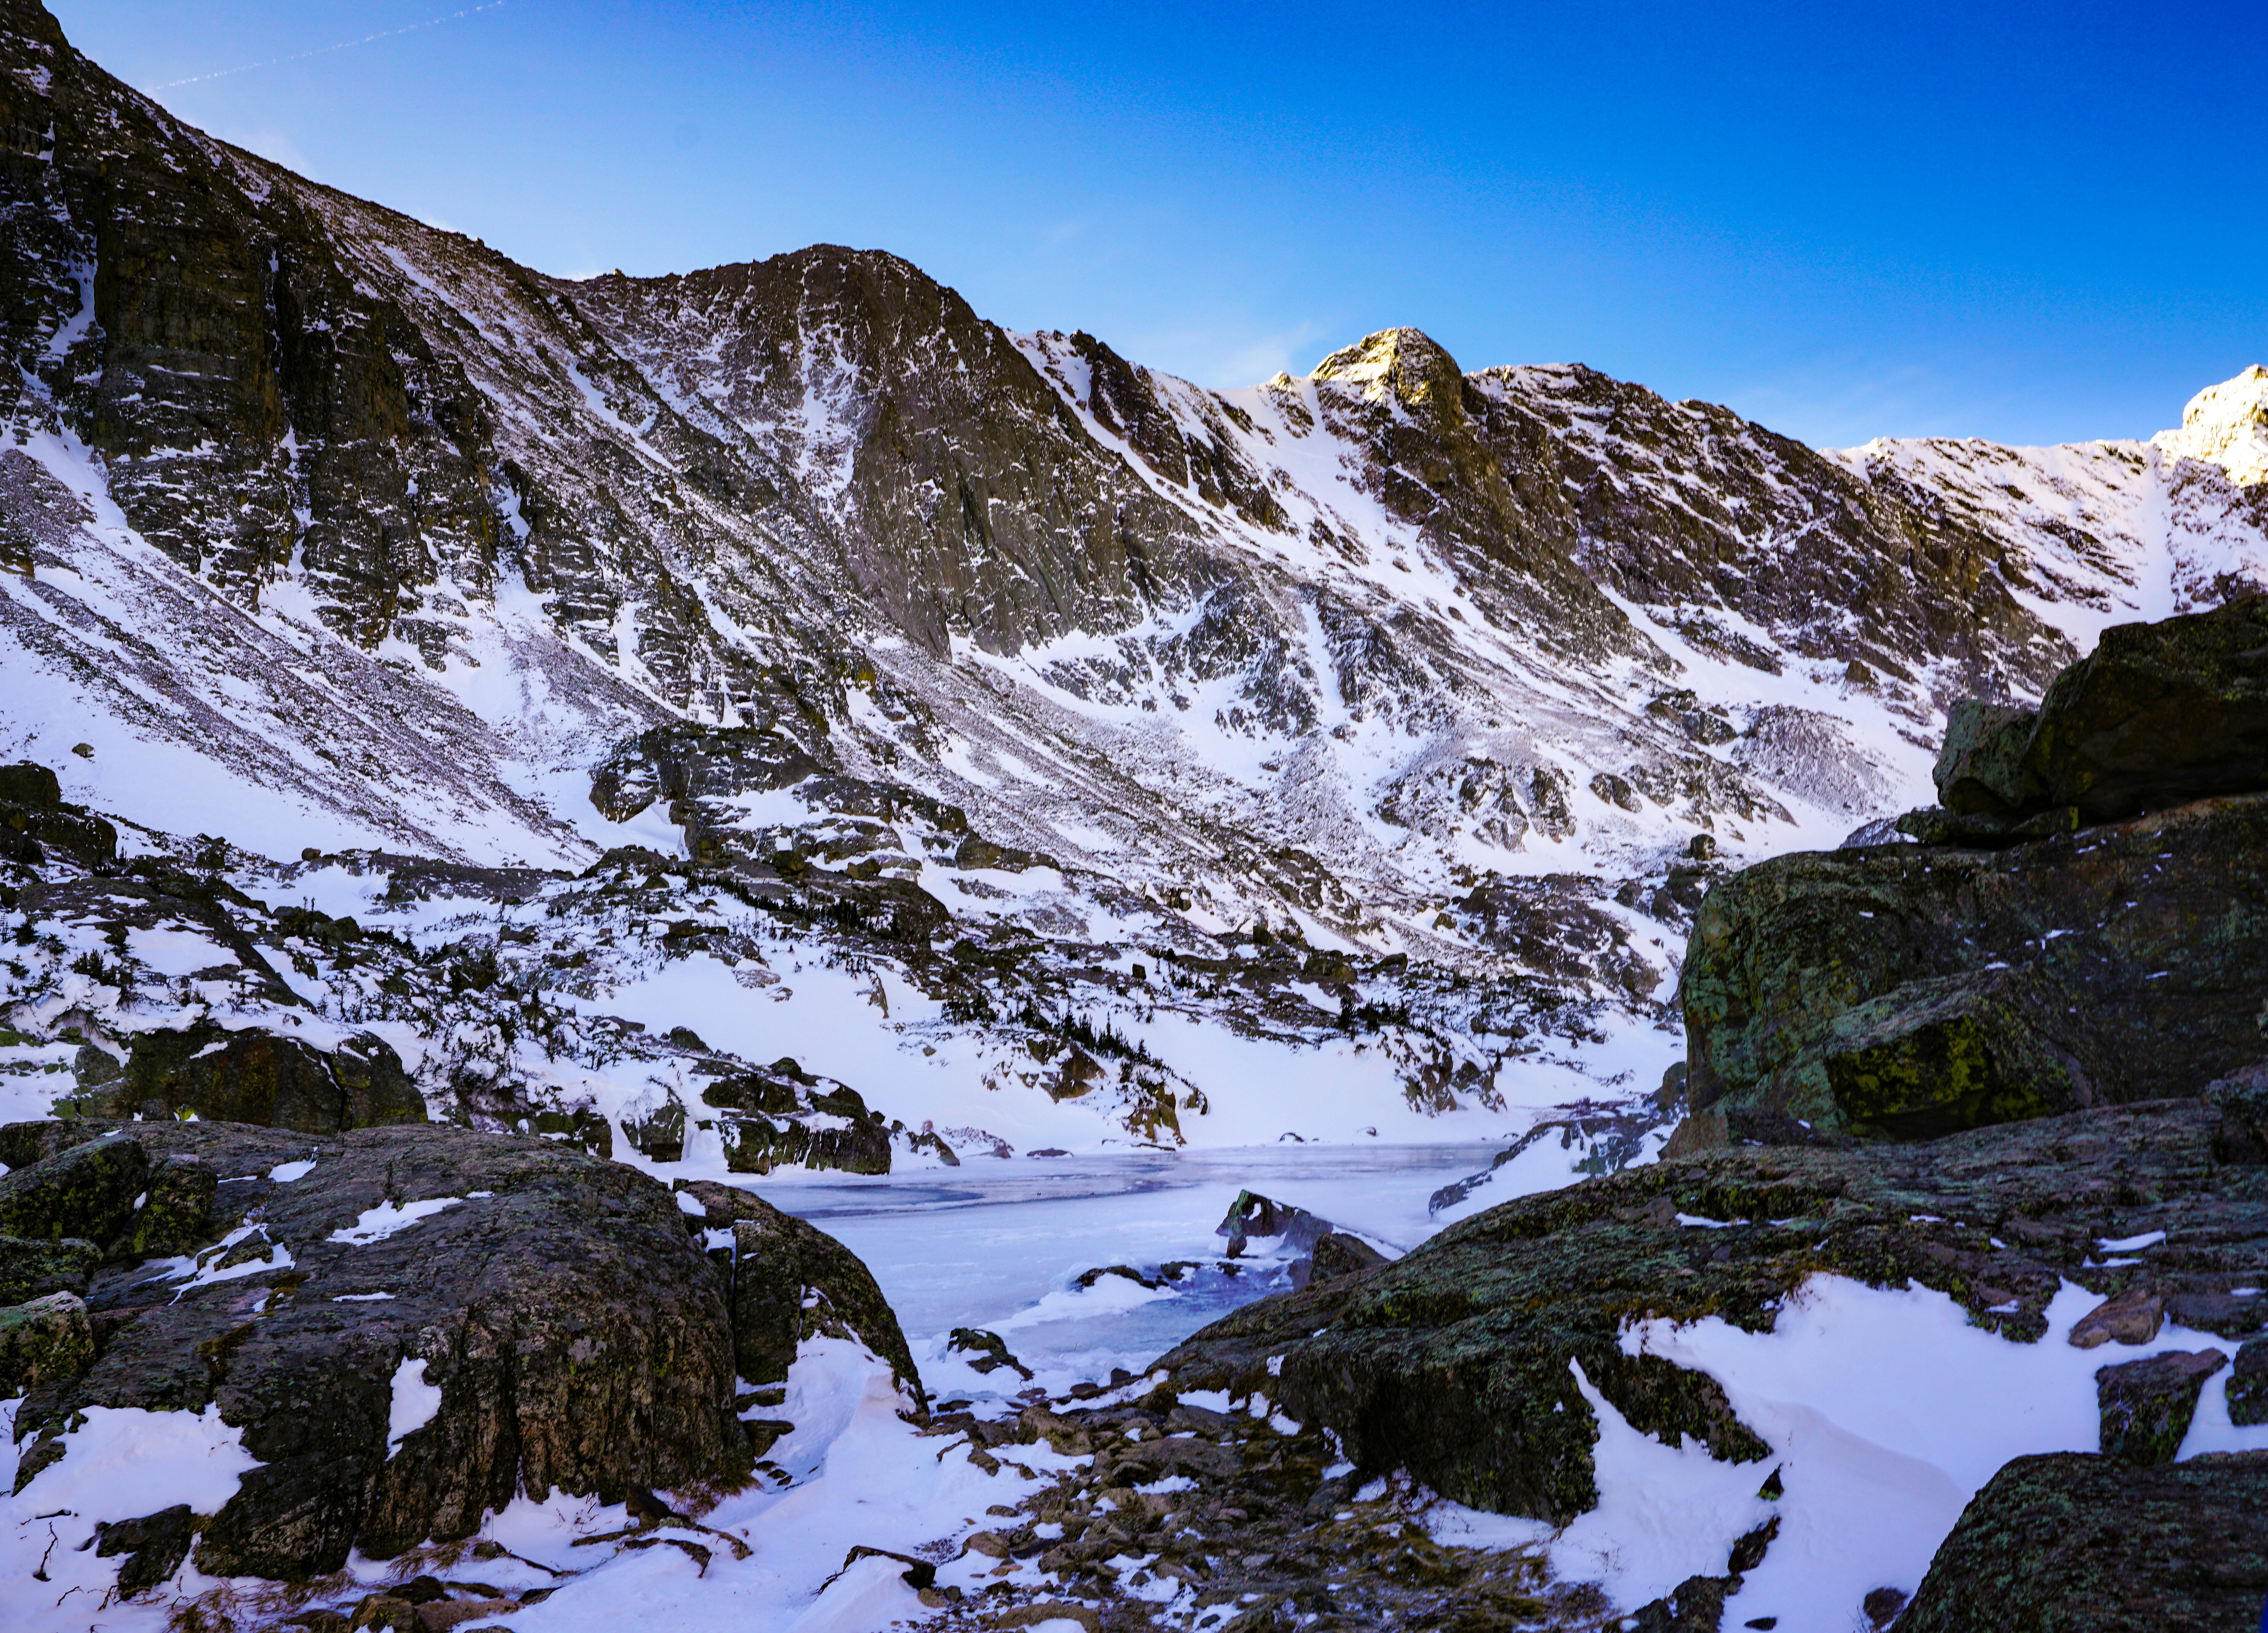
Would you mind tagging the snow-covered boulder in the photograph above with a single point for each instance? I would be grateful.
(400, 1329)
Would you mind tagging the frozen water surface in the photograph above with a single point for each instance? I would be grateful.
(1000, 1243)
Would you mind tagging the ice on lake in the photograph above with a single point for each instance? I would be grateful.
(999, 1244)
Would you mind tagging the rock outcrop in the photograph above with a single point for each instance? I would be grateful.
(787, 1282)
(1454, 1362)
(2092, 929)
(2157, 715)
(409, 1325)
(2091, 1545)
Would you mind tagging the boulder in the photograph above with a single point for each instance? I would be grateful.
(2158, 715)
(2131, 1318)
(2084, 924)
(260, 1077)
(33, 1269)
(2147, 1405)
(1454, 1362)
(2086, 1544)
(35, 818)
(571, 1333)
(43, 1341)
(988, 1350)
(1336, 1254)
(1254, 1216)
(155, 1546)
(89, 1191)
(790, 1281)
(27, 783)
(1911, 990)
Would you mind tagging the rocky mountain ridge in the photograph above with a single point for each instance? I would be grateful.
(348, 534)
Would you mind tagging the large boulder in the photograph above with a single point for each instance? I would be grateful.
(2085, 923)
(1909, 990)
(408, 1326)
(1454, 1362)
(2158, 715)
(2082, 1544)
(262, 1078)
(788, 1281)
(35, 818)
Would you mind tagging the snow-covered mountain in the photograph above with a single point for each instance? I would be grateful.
(326, 530)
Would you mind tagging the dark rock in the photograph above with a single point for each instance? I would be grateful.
(27, 783)
(1252, 1216)
(1697, 1605)
(41, 824)
(177, 1208)
(579, 1339)
(86, 1191)
(659, 1134)
(156, 1545)
(2241, 1099)
(1336, 1254)
(44, 1342)
(24, 1143)
(2248, 1384)
(790, 1281)
(2147, 1405)
(33, 1269)
(1454, 1362)
(1980, 768)
(991, 1349)
(2158, 715)
(267, 1078)
(2222, 1313)
(2084, 1544)
(1911, 991)
(1881, 1606)
(756, 1144)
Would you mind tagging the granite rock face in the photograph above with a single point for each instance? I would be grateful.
(576, 1335)
(2057, 950)
(789, 1281)
(1454, 1362)
(2082, 1544)
(2157, 715)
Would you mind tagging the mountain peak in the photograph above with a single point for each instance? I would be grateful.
(2227, 424)
(1407, 365)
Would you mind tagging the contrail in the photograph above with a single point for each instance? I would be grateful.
(298, 57)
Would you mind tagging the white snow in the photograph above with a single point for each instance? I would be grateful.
(377, 1224)
(126, 1461)
(415, 1404)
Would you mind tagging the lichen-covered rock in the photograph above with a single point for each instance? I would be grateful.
(88, 1191)
(2158, 715)
(43, 1341)
(1909, 990)
(1336, 1254)
(1454, 1362)
(2074, 1543)
(264, 1078)
(790, 1281)
(2147, 1405)
(32, 1268)
(577, 1338)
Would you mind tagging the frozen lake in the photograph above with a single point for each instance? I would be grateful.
(999, 1244)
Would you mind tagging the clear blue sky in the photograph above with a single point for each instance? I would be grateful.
(2032, 222)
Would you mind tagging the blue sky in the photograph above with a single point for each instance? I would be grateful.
(2027, 223)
